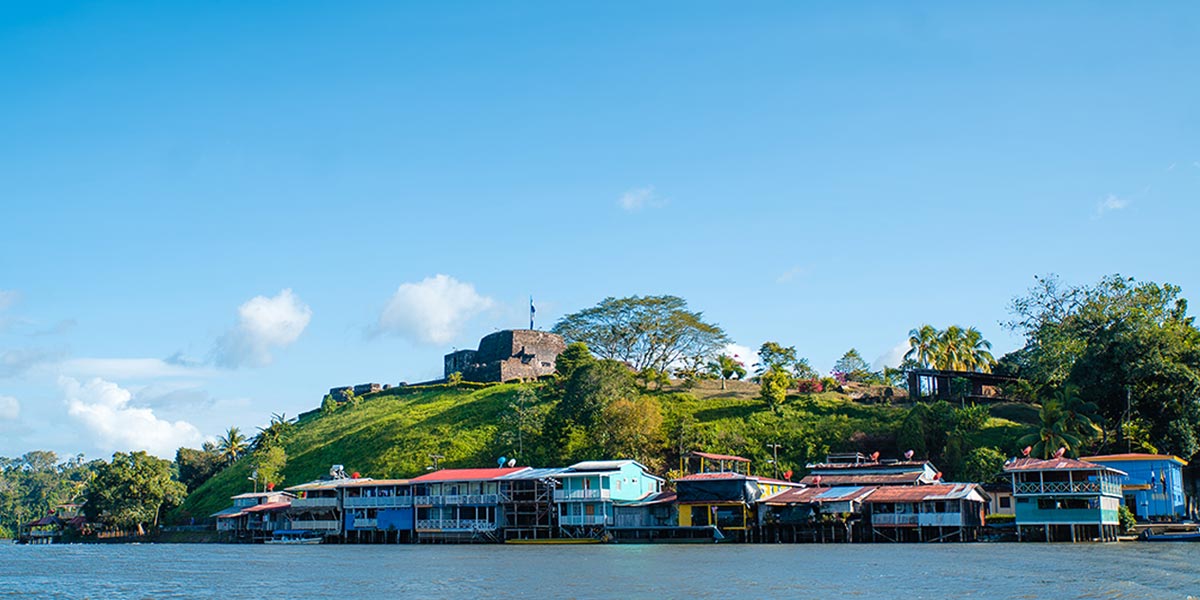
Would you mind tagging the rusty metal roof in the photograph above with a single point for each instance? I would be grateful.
(865, 479)
(921, 493)
(1056, 464)
(818, 495)
(711, 456)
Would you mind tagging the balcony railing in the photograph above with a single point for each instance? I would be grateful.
(377, 501)
(315, 502)
(583, 520)
(456, 524)
(316, 525)
(365, 523)
(581, 495)
(896, 519)
(457, 499)
(1068, 487)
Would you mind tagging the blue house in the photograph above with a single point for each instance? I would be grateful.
(590, 489)
(1153, 488)
(1062, 499)
(377, 510)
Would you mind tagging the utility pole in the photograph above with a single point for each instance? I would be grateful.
(775, 457)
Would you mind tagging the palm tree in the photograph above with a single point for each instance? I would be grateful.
(231, 445)
(923, 345)
(1078, 415)
(978, 352)
(952, 349)
(274, 433)
(1052, 432)
(726, 367)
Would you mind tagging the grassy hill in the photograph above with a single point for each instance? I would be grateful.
(392, 433)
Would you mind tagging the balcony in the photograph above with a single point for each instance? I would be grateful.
(322, 502)
(316, 525)
(1068, 487)
(581, 495)
(366, 523)
(456, 500)
(583, 520)
(456, 524)
(377, 502)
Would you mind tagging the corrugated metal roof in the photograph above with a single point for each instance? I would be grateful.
(711, 476)
(267, 507)
(889, 465)
(1056, 464)
(320, 484)
(602, 465)
(538, 473)
(231, 511)
(1134, 456)
(372, 482)
(468, 474)
(650, 499)
(865, 479)
(818, 495)
(921, 493)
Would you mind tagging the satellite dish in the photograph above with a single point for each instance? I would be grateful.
(908, 455)
(512, 462)
(1026, 450)
(500, 461)
(1060, 452)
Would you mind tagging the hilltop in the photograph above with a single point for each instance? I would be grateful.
(393, 433)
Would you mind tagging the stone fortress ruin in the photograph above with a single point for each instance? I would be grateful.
(508, 355)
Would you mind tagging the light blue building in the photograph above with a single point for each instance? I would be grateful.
(590, 489)
(1062, 499)
(1153, 486)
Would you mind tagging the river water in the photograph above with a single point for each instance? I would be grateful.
(1126, 570)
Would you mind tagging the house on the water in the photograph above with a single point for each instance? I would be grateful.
(937, 512)
(1153, 484)
(815, 514)
(527, 501)
(316, 508)
(377, 510)
(1064, 499)
(460, 505)
(721, 492)
(254, 516)
(590, 490)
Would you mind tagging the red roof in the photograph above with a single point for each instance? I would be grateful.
(918, 493)
(720, 457)
(468, 474)
(268, 506)
(1054, 464)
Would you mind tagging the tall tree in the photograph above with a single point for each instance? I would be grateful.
(649, 331)
(269, 463)
(197, 466)
(132, 491)
(923, 345)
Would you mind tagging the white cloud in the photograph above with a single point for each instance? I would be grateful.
(639, 198)
(102, 407)
(10, 408)
(433, 310)
(14, 363)
(8, 298)
(742, 354)
(1109, 204)
(891, 358)
(264, 324)
(129, 368)
(790, 274)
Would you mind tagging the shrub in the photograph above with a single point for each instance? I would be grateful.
(809, 386)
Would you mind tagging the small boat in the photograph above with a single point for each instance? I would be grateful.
(294, 536)
(1170, 536)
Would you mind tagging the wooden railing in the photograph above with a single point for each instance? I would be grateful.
(576, 495)
(1068, 487)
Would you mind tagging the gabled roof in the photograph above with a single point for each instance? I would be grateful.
(921, 493)
(1056, 464)
(232, 511)
(650, 499)
(1135, 456)
(468, 474)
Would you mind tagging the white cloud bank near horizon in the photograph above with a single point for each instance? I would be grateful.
(432, 311)
(102, 408)
(264, 325)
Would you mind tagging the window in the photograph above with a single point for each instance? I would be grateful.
(1005, 502)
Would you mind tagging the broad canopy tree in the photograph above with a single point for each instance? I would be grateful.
(654, 332)
(132, 491)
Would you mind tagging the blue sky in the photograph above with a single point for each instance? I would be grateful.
(213, 211)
